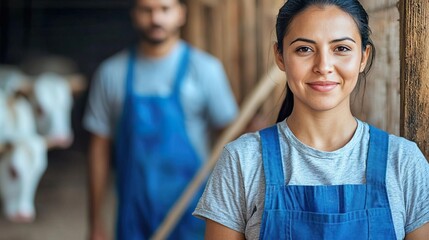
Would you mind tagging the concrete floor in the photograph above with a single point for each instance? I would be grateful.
(61, 203)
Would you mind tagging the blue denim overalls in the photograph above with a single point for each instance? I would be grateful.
(154, 160)
(345, 212)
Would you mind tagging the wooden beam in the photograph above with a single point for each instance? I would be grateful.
(215, 30)
(249, 46)
(414, 46)
(231, 46)
(194, 30)
(210, 3)
(378, 99)
(266, 33)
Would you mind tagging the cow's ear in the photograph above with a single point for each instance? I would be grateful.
(5, 148)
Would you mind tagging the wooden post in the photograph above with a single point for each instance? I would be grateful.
(248, 19)
(414, 46)
(231, 43)
(214, 31)
(194, 30)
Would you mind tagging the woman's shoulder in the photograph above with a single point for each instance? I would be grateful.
(405, 155)
(246, 144)
(402, 146)
(246, 150)
(396, 143)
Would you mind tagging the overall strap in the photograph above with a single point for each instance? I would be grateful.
(271, 156)
(180, 74)
(182, 69)
(130, 70)
(377, 156)
(376, 165)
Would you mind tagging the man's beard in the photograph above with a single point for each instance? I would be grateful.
(144, 35)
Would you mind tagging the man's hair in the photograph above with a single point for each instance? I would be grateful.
(132, 3)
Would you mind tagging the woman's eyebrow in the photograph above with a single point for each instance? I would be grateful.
(342, 39)
(314, 42)
(303, 40)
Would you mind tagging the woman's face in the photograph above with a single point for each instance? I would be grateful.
(322, 57)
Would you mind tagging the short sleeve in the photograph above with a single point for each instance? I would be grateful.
(221, 104)
(97, 118)
(416, 188)
(223, 200)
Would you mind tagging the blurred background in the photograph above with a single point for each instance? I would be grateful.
(71, 37)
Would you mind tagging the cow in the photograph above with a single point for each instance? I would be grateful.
(23, 157)
(35, 116)
(52, 98)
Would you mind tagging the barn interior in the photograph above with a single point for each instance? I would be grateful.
(78, 35)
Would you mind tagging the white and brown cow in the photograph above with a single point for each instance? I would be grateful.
(35, 115)
(23, 157)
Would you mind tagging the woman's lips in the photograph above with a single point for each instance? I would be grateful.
(323, 86)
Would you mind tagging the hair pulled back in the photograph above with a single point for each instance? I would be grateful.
(293, 7)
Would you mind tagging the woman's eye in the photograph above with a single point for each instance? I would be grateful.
(342, 49)
(303, 49)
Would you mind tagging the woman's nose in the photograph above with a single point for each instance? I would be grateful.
(323, 63)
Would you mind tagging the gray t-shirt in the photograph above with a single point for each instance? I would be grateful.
(205, 93)
(234, 194)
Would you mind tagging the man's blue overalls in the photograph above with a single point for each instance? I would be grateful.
(345, 212)
(154, 159)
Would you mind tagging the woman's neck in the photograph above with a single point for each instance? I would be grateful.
(326, 131)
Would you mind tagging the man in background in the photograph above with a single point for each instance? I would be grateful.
(155, 103)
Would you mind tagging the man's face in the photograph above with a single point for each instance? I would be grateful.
(158, 20)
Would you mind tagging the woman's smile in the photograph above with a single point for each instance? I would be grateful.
(323, 86)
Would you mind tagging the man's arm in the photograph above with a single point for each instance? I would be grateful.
(421, 233)
(216, 231)
(99, 160)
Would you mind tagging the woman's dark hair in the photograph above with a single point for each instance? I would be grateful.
(293, 7)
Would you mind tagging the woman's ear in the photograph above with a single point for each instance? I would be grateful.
(278, 57)
(365, 56)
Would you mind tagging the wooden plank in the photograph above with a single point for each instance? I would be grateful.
(210, 3)
(414, 22)
(194, 30)
(266, 33)
(248, 52)
(215, 31)
(379, 5)
(378, 101)
(231, 46)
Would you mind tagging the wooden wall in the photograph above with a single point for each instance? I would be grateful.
(241, 33)
(379, 102)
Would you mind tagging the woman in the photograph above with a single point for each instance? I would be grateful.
(319, 173)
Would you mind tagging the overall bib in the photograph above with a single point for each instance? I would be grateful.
(345, 212)
(154, 160)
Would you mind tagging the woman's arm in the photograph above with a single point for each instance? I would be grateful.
(421, 233)
(216, 231)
